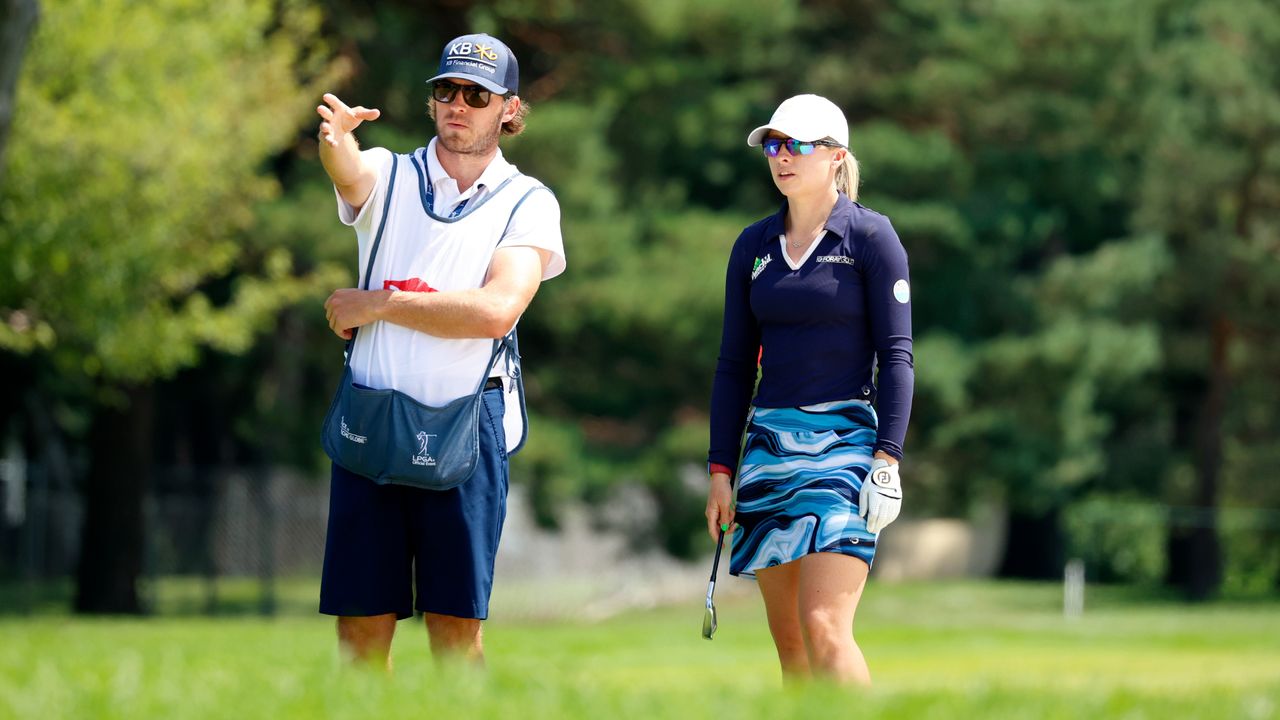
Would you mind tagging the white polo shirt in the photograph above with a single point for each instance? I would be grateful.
(419, 253)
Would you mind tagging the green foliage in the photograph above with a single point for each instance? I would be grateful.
(552, 465)
(1123, 539)
(1118, 538)
(135, 160)
(1252, 548)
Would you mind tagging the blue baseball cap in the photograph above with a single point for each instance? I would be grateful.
(482, 59)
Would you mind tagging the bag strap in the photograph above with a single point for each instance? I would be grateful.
(373, 253)
(382, 224)
(508, 341)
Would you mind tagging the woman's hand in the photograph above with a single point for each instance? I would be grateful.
(880, 500)
(719, 505)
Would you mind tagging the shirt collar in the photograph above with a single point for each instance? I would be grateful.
(841, 215)
(837, 221)
(497, 171)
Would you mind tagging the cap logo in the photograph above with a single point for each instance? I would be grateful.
(465, 50)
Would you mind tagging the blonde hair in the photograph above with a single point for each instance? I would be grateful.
(847, 175)
(515, 125)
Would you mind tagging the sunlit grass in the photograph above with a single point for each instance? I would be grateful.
(937, 650)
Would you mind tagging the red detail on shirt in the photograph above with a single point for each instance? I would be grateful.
(410, 285)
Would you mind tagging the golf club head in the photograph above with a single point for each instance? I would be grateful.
(709, 620)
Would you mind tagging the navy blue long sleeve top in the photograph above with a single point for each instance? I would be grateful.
(818, 330)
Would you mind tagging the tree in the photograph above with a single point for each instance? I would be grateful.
(140, 145)
(1209, 187)
(1119, 165)
(17, 20)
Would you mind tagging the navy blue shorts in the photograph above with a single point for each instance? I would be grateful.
(383, 537)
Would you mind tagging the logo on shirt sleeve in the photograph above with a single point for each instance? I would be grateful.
(759, 266)
(902, 291)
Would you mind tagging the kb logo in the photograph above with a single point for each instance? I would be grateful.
(464, 49)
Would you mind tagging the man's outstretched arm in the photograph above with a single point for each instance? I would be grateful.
(339, 152)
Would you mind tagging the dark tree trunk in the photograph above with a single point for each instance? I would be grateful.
(112, 541)
(1034, 548)
(17, 21)
(1203, 571)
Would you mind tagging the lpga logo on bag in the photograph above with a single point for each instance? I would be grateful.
(422, 458)
(346, 433)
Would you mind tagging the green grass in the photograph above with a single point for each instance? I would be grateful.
(938, 650)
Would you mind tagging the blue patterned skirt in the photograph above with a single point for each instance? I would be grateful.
(801, 471)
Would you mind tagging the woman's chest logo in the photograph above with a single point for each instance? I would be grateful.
(759, 266)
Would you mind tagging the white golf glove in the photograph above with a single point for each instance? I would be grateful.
(881, 496)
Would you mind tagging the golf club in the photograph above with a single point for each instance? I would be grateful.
(709, 615)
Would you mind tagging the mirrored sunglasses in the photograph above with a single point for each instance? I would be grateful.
(772, 146)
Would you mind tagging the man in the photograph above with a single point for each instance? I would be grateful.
(438, 294)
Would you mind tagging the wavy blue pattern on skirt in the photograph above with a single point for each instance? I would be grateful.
(799, 478)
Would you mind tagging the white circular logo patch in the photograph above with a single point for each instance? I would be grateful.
(902, 292)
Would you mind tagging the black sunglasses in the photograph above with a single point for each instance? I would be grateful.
(473, 95)
(772, 146)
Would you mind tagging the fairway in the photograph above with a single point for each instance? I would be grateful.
(936, 650)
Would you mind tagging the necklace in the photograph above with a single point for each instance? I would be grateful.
(801, 243)
(797, 244)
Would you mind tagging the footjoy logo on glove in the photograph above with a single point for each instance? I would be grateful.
(346, 433)
(422, 458)
(882, 477)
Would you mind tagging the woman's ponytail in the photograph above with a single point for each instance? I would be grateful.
(847, 175)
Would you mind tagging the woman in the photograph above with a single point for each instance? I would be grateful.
(817, 294)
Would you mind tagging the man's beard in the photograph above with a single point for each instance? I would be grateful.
(483, 143)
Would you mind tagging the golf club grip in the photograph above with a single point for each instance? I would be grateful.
(715, 564)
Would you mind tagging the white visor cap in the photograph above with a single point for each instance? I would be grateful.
(805, 118)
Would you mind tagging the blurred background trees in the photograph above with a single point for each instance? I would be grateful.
(1087, 191)
(138, 155)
